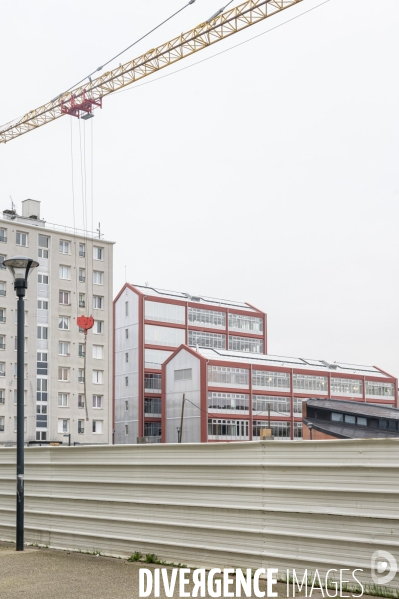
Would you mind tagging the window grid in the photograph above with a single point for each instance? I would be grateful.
(346, 386)
(207, 318)
(280, 430)
(239, 322)
(214, 340)
(382, 389)
(230, 402)
(309, 382)
(266, 378)
(228, 429)
(229, 376)
(245, 344)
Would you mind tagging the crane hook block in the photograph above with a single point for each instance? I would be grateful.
(85, 323)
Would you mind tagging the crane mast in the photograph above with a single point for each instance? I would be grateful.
(81, 100)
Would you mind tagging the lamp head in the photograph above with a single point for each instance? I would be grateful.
(20, 267)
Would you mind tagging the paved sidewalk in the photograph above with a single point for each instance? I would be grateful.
(39, 573)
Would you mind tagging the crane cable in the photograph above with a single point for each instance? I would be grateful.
(126, 49)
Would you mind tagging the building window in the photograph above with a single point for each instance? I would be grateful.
(63, 425)
(43, 246)
(346, 386)
(64, 247)
(81, 427)
(64, 272)
(97, 377)
(42, 363)
(81, 350)
(98, 302)
(82, 275)
(22, 239)
(98, 253)
(41, 386)
(41, 435)
(63, 297)
(152, 407)
(63, 348)
(97, 427)
(154, 358)
(81, 375)
(228, 429)
(82, 302)
(126, 308)
(152, 429)
(271, 380)
(98, 327)
(2, 258)
(15, 424)
(240, 322)
(223, 375)
(126, 381)
(245, 344)
(98, 352)
(126, 405)
(278, 405)
(42, 332)
(81, 400)
(162, 312)
(214, 340)
(62, 400)
(127, 357)
(280, 430)
(126, 429)
(98, 277)
(207, 318)
(16, 370)
(2, 341)
(16, 397)
(63, 323)
(185, 374)
(42, 279)
(380, 389)
(2, 315)
(63, 374)
(42, 304)
(82, 251)
(3, 292)
(308, 382)
(229, 402)
(97, 401)
(2, 369)
(126, 333)
(167, 336)
(3, 235)
(152, 382)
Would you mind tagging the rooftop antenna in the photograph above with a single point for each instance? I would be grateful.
(99, 230)
(12, 204)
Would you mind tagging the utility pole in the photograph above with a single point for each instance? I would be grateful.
(181, 418)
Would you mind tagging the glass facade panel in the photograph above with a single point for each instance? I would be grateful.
(164, 336)
(239, 322)
(215, 340)
(165, 312)
(382, 389)
(229, 402)
(280, 430)
(308, 382)
(228, 429)
(152, 382)
(273, 380)
(245, 344)
(207, 318)
(279, 405)
(346, 386)
(238, 377)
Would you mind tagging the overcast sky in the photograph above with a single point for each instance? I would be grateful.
(267, 174)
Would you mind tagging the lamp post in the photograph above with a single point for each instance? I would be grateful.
(20, 268)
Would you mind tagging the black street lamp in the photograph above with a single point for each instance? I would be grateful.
(20, 268)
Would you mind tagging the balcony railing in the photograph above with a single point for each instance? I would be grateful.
(81, 431)
(2, 345)
(2, 318)
(81, 354)
(152, 385)
(1, 428)
(153, 439)
(3, 238)
(82, 304)
(81, 404)
(3, 292)
(2, 266)
(82, 254)
(81, 379)
(2, 399)
(2, 373)
(82, 279)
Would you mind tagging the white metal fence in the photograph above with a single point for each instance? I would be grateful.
(314, 504)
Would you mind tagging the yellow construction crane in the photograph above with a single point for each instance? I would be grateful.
(81, 100)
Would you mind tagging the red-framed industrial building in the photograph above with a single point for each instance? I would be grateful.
(149, 325)
(227, 393)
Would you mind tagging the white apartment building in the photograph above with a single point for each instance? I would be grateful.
(68, 381)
